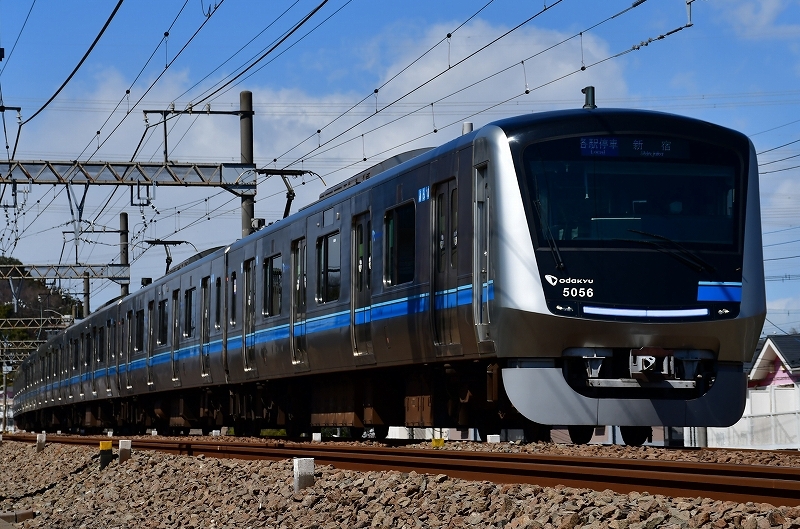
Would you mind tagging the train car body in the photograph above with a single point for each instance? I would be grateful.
(587, 267)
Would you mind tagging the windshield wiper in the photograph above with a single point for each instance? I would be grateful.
(688, 255)
(551, 241)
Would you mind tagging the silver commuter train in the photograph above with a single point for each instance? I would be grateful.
(581, 268)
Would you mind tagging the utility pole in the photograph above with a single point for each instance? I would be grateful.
(85, 295)
(246, 139)
(123, 249)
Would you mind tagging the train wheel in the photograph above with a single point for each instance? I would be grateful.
(580, 434)
(536, 433)
(635, 435)
(381, 431)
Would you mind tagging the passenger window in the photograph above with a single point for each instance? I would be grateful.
(399, 234)
(329, 267)
(273, 275)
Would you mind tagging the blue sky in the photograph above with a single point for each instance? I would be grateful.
(738, 66)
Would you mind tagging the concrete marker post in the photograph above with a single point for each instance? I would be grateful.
(303, 473)
(40, 442)
(124, 450)
(106, 454)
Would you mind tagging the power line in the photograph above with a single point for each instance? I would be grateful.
(71, 75)
(413, 90)
(778, 147)
(25, 23)
(270, 50)
(779, 170)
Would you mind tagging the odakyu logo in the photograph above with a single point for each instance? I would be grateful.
(554, 281)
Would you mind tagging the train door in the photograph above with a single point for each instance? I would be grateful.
(175, 311)
(445, 268)
(129, 330)
(93, 352)
(481, 284)
(297, 322)
(151, 343)
(110, 343)
(249, 315)
(361, 298)
(205, 328)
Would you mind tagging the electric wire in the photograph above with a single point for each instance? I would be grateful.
(269, 51)
(778, 147)
(14, 47)
(430, 80)
(71, 75)
(392, 78)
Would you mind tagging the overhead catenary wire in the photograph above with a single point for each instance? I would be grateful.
(430, 80)
(71, 75)
(14, 47)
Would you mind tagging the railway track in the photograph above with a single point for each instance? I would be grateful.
(740, 483)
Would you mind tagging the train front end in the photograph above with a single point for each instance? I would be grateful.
(624, 271)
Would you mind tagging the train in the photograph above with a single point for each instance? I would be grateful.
(573, 268)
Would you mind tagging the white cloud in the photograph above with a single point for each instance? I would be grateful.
(760, 19)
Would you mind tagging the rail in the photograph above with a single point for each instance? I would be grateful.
(740, 483)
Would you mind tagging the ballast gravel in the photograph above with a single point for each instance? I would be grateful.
(160, 491)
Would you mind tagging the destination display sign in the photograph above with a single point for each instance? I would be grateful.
(633, 147)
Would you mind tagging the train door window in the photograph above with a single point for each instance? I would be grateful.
(249, 313)
(151, 339)
(129, 338)
(188, 313)
(162, 322)
(233, 299)
(75, 355)
(298, 312)
(42, 368)
(399, 230)
(273, 275)
(218, 303)
(87, 349)
(138, 344)
(176, 329)
(329, 267)
(205, 320)
(100, 346)
(454, 228)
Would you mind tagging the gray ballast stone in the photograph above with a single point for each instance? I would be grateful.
(155, 491)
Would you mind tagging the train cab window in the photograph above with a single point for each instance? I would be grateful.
(188, 313)
(139, 342)
(329, 267)
(162, 322)
(233, 298)
(218, 303)
(273, 275)
(399, 234)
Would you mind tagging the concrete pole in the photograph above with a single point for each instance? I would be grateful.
(246, 138)
(85, 295)
(123, 249)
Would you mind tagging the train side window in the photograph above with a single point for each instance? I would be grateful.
(162, 322)
(273, 276)
(138, 344)
(233, 299)
(217, 303)
(399, 233)
(189, 320)
(329, 267)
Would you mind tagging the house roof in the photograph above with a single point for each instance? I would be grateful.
(786, 347)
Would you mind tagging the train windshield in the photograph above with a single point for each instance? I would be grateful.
(621, 191)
